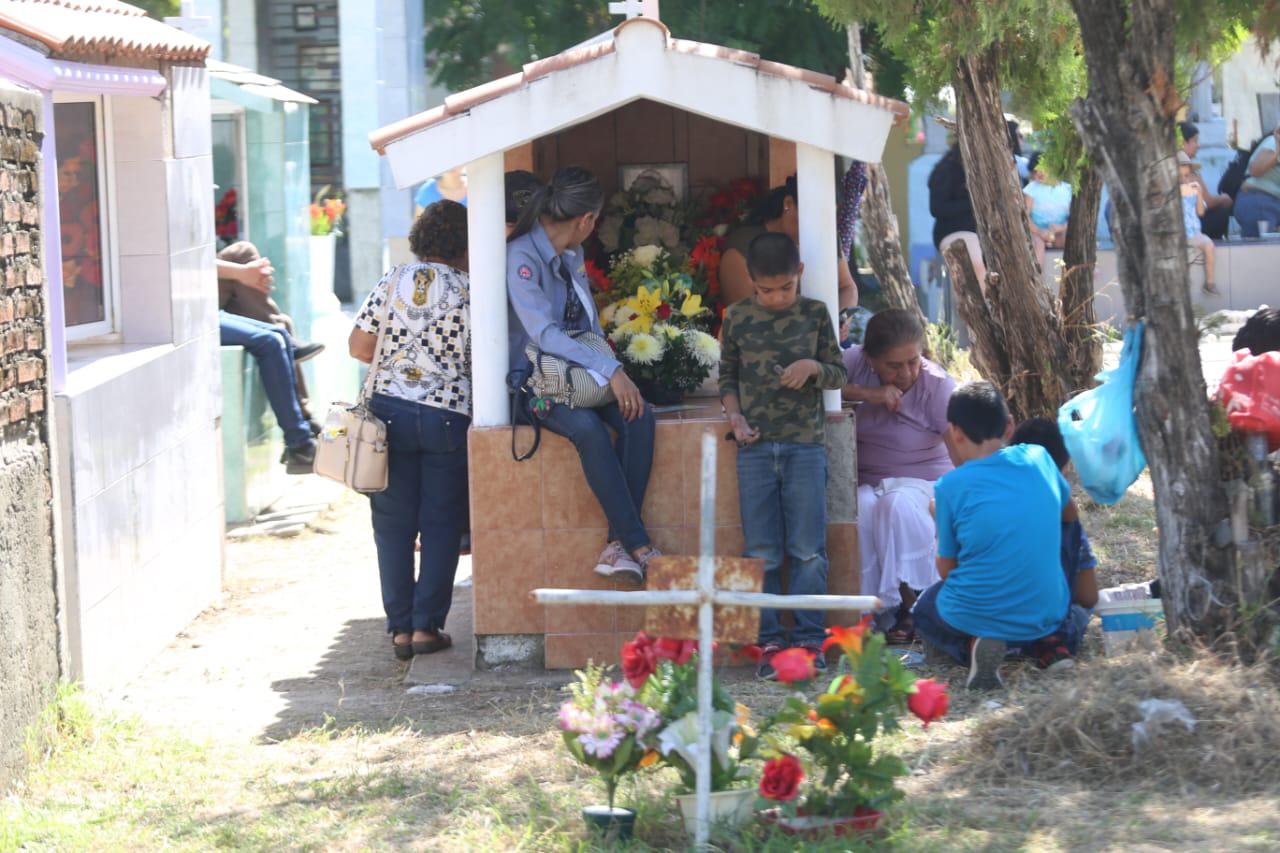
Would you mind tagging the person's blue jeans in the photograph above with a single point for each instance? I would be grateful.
(426, 498)
(934, 630)
(618, 473)
(1253, 206)
(782, 495)
(272, 348)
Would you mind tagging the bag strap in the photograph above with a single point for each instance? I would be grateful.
(393, 282)
(515, 388)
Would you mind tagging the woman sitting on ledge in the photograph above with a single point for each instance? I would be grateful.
(902, 424)
(550, 297)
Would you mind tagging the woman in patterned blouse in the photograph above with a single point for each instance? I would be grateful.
(422, 390)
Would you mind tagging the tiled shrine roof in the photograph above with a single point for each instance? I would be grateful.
(97, 30)
(604, 46)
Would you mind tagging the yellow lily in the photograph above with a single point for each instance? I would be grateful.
(848, 689)
(646, 301)
(692, 306)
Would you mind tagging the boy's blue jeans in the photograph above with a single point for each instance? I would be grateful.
(782, 494)
(426, 497)
(934, 630)
(273, 349)
(618, 473)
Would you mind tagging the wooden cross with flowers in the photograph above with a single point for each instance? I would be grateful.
(705, 596)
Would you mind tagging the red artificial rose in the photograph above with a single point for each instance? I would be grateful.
(752, 653)
(744, 188)
(679, 651)
(663, 312)
(929, 702)
(781, 778)
(639, 660)
(599, 281)
(793, 665)
(721, 199)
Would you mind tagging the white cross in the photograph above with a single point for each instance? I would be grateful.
(635, 9)
(705, 596)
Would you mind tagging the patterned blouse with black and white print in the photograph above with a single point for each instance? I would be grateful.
(426, 356)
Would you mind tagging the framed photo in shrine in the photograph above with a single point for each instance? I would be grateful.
(675, 174)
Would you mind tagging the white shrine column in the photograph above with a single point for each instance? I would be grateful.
(487, 241)
(816, 184)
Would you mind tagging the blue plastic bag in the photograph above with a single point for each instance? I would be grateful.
(1100, 429)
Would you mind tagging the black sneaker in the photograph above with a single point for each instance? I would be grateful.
(819, 657)
(302, 352)
(300, 459)
(764, 669)
(985, 657)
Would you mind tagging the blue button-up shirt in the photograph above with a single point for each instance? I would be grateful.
(536, 297)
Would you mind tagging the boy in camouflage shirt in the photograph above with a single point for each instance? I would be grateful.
(779, 353)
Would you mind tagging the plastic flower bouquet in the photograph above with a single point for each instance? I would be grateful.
(605, 727)
(666, 674)
(828, 741)
(657, 323)
(326, 214)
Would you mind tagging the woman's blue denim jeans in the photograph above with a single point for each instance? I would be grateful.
(1254, 206)
(782, 494)
(618, 473)
(426, 497)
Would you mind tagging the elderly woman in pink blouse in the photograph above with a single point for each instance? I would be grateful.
(902, 451)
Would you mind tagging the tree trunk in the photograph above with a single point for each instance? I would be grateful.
(1080, 258)
(880, 231)
(1020, 301)
(1127, 124)
(987, 345)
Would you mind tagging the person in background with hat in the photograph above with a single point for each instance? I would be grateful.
(1194, 205)
(1217, 216)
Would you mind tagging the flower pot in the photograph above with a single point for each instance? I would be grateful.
(813, 826)
(612, 824)
(658, 394)
(731, 808)
(322, 250)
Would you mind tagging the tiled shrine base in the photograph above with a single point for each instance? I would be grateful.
(537, 524)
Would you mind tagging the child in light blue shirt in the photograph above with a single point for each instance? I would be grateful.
(999, 535)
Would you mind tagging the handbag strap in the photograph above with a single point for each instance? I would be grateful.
(393, 283)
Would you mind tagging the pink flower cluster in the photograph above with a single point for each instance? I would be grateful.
(613, 715)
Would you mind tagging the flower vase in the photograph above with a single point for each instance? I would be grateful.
(730, 808)
(611, 824)
(658, 394)
(322, 251)
(806, 826)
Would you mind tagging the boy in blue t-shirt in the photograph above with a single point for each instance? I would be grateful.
(1078, 562)
(999, 534)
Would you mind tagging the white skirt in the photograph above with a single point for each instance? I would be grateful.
(897, 538)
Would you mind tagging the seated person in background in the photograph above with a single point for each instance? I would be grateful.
(999, 537)
(1078, 563)
(1260, 333)
(245, 281)
(1214, 220)
(1049, 205)
(902, 427)
(519, 187)
(451, 185)
(780, 352)
(1193, 207)
(1259, 196)
(272, 347)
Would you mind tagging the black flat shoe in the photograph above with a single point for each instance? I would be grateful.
(305, 351)
(404, 651)
(439, 644)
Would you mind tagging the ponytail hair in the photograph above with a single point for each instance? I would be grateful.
(573, 192)
(773, 204)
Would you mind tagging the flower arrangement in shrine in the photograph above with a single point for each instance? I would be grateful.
(225, 218)
(326, 214)
(656, 321)
(648, 213)
(821, 760)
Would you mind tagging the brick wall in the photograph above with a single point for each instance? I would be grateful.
(28, 605)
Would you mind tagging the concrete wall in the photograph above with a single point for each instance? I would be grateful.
(138, 419)
(28, 604)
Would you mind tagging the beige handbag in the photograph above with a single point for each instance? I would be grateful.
(352, 446)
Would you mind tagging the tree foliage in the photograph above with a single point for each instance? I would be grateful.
(158, 9)
(472, 41)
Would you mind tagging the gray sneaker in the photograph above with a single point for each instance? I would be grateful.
(615, 562)
(985, 657)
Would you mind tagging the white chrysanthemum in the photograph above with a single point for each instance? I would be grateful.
(644, 349)
(720, 230)
(668, 331)
(644, 256)
(610, 232)
(706, 349)
(669, 234)
(620, 332)
(607, 312)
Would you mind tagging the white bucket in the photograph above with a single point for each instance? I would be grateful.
(1125, 621)
(732, 808)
